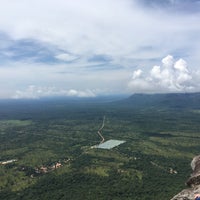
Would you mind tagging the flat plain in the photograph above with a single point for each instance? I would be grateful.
(48, 144)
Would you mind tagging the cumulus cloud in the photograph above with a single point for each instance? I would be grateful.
(36, 92)
(171, 76)
(137, 74)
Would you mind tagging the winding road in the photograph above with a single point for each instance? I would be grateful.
(99, 131)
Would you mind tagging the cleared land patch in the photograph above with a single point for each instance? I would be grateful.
(110, 144)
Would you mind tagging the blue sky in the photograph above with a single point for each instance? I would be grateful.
(87, 48)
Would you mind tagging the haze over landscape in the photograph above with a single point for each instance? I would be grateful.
(90, 48)
(99, 99)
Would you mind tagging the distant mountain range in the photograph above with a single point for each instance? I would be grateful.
(160, 101)
(171, 100)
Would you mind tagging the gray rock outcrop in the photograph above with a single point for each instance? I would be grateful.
(193, 182)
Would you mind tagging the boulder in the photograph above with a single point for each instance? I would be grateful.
(193, 182)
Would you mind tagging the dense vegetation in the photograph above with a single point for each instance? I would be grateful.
(161, 139)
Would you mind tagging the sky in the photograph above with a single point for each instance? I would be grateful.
(87, 48)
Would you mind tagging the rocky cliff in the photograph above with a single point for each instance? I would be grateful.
(193, 182)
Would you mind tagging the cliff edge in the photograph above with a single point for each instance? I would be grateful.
(193, 182)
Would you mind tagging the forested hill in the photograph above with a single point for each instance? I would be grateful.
(171, 100)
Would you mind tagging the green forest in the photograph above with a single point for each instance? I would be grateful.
(46, 149)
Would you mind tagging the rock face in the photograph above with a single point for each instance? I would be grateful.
(193, 182)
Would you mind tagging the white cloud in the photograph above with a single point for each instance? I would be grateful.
(121, 30)
(110, 27)
(35, 92)
(168, 61)
(155, 72)
(172, 76)
(77, 93)
(19, 75)
(181, 65)
(66, 57)
(137, 74)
